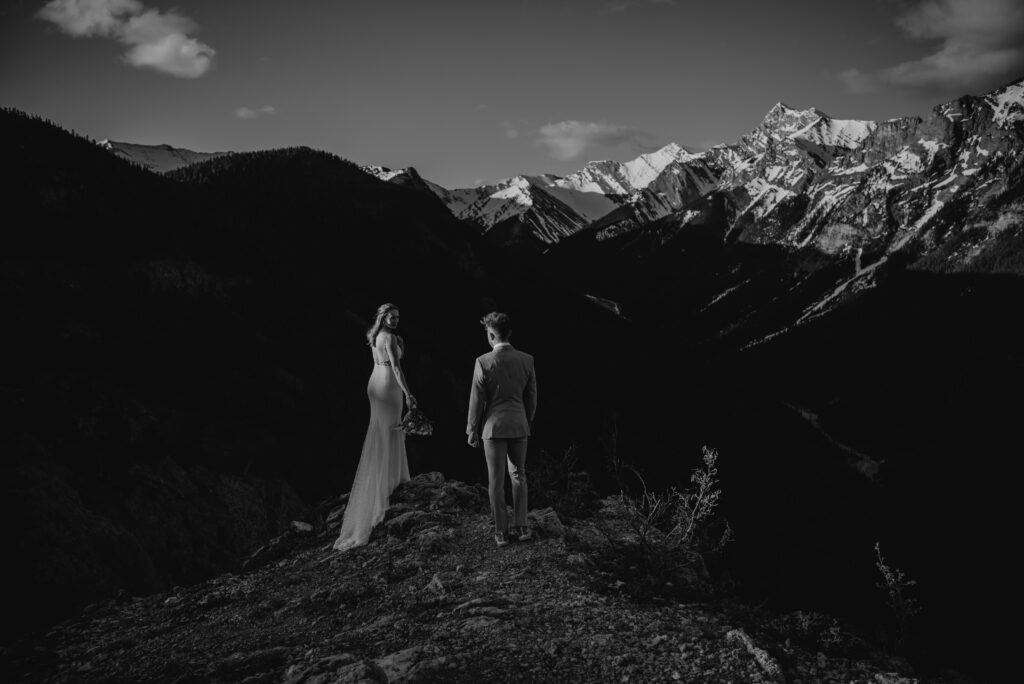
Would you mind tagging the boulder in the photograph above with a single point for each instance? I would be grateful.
(546, 521)
(340, 669)
(410, 521)
(420, 490)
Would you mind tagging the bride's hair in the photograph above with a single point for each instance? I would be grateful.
(378, 322)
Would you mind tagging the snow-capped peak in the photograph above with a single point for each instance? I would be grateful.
(1007, 104)
(782, 120)
(382, 172)
(848, 133)
(624, 178)
(645, 168)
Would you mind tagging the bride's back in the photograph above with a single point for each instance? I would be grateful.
(380, 347)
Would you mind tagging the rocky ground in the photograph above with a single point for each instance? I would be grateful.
(432, 599)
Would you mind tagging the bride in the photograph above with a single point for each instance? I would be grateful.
(383, 465)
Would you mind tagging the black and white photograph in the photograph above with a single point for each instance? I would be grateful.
(511, 341)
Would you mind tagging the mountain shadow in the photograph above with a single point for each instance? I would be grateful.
(188, 361)
(890, 418)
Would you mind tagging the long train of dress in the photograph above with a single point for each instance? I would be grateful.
(382, 465)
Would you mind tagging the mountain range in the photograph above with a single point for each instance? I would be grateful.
(835, 305)
(834, 202)
(834, 198)
(800, 178)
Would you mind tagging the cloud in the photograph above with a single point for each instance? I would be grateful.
(511, 132)
(568, 139)
(982, 42)
(249, 113)
(156, 40)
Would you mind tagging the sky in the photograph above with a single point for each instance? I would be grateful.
(473, 91)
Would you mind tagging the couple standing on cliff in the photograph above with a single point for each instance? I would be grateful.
(502, 404)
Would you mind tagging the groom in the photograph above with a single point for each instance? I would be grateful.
(502, 404)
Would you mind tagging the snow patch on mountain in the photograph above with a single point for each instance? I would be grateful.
(904, 162)
(589, 205)
(609, 177)
(845, 133)
(765, 197)
(645, 168)
(1008, 104)
(382, 172)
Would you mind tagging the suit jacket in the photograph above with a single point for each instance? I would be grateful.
(503, 400)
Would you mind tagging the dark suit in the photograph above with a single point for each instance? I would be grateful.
(502, 404)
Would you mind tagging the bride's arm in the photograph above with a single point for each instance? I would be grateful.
(391, 344)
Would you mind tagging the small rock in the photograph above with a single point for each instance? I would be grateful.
(435, 669)
(478, 622)
(406, 523)
(253, 662)
(340, 669)
(657, 640)
(577, 560)
(398, 665)
(435, 584)
(431, 542)
(892, 678)
(469, 606)
(547, 522)
(301, 527)
(335, 518)
(763, 658)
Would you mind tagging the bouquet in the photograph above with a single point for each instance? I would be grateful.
(415, 423)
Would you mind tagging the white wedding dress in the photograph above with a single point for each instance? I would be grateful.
(383, 464)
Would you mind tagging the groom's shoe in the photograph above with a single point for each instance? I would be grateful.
(501, 538)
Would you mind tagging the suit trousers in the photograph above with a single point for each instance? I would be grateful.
(498, 452)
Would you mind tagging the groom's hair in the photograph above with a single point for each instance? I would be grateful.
(499, 323)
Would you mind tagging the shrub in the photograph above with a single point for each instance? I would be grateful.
(904, 608)
(672, 531)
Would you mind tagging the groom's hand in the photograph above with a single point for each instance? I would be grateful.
(473, 441)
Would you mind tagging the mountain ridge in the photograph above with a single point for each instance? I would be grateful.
(158, 158)
(777, 161)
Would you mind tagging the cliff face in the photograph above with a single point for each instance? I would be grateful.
(431, 598)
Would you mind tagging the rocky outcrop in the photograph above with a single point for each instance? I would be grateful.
(462, 610)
